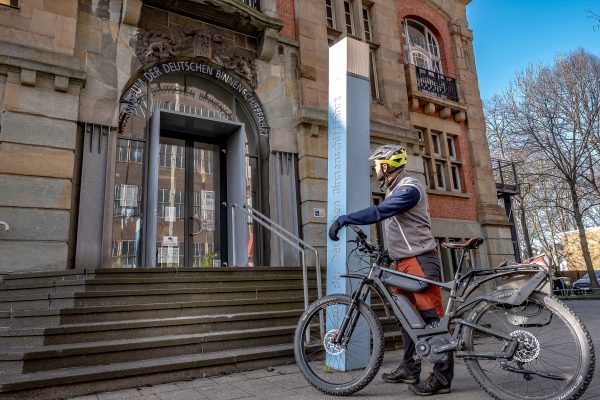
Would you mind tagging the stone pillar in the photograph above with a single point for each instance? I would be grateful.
(38, 164)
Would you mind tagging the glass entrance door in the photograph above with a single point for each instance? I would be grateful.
(188, 213)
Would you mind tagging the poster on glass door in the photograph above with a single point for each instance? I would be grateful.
(207, 207)
(168, 255)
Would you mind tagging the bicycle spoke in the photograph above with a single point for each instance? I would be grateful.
(547, 346)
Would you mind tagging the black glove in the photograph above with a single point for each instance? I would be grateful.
(335, 228)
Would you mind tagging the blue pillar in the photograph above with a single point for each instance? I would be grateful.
(348, 187)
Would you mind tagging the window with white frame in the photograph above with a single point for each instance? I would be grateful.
(421, 46)
(367, 22)
(373, 75)
(440, 174)
(131, 151)
(428, 181)
(124, 253)
(435, 143)
(451, 147)
(355, 25)
(441, 163)
(171, 156)
(455, 178)
(330, 13)
(349, 17)
(170, 204)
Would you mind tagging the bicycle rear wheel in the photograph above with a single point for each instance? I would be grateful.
(555, 349)
(332, 368)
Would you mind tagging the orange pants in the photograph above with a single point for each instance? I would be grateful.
(428, 267)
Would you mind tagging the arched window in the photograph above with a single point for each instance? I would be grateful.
(421, 46)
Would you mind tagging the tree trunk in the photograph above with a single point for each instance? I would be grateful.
(529, 252)
(585, 250)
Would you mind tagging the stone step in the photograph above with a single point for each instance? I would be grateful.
(117, 351)
(21, 337)
(130, 329)
(122, 283)
(57, 276)
(54, 317)
(45, 276)
(68, 382)
(144, 296)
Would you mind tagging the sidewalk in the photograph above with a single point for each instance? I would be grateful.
(286, 383)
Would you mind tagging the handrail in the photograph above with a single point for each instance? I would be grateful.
(289, 238)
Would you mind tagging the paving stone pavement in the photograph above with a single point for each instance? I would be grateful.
(285, 382)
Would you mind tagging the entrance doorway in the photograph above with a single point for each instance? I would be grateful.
(189, 221)
(195, 164)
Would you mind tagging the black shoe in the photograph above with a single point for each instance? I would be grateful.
(429, 387)
(400, 375)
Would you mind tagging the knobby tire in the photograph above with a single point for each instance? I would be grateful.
(310, 357)
(573, 342)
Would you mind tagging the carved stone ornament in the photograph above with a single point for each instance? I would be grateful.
(164, 43)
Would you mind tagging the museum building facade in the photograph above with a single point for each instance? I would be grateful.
(129, 128)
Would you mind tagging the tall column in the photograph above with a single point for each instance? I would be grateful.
(348, 165)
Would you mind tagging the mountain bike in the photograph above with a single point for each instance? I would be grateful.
(518, 343)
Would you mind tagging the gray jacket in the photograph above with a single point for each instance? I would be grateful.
(408, 234)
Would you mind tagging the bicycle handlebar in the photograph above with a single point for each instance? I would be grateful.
(362, 243)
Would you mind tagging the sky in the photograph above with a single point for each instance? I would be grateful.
(509, 35)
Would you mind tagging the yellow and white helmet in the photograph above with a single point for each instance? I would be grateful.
(391, 154)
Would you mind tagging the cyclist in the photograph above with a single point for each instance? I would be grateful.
(413, 249)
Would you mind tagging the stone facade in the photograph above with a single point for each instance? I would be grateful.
(67, 65)
(40, 83)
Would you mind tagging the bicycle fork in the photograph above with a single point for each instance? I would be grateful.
(351, 317)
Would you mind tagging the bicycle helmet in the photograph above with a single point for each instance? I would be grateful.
(392, 154)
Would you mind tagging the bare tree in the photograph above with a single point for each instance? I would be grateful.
(552, 115)
(498, 130)
(596, 18)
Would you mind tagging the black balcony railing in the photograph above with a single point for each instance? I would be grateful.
(439, 85)
(505, 177)
(252, 3)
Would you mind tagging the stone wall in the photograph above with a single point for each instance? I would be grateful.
(45, 24)
(64, 62)
(389, 114)
(395, 116)
(40, 82)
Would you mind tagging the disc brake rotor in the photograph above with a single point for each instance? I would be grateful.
(529, 346)
(331, 347)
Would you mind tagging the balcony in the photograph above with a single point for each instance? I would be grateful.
(433, 93)
(436, 84)
(505, 177)
(244, 16)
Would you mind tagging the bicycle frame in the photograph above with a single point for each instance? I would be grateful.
(461, 287)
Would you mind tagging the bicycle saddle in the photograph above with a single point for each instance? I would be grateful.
(472, 243)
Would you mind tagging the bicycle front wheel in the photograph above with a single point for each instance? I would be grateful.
(554, 358)
(332, 368)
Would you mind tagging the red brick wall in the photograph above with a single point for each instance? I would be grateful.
(285, 9)
(421, 11)
(441, 206)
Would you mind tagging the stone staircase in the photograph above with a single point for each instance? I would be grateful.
(76, 332)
